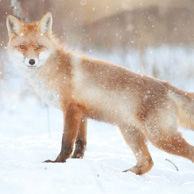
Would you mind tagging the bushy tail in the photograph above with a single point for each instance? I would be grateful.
(185, 106)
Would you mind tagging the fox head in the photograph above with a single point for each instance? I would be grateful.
(30, 44)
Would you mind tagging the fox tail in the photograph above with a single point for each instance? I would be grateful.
(185, 107)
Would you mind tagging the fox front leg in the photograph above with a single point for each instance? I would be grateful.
(72, 120)
(80, 144)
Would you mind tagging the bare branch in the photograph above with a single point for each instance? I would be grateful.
(17, 10)
(172, 164)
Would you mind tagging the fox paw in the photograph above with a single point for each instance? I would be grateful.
(137, 170)
(78, 155)
(49, 161)
(141, 169)
(54, 161)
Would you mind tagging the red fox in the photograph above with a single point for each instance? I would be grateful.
(144, 108)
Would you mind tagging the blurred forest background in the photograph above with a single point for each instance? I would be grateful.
(149, 36)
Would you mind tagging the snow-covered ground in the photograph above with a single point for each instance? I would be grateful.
(30, 133)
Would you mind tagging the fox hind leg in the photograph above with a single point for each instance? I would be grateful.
(172, 143)
(137, 142)
(161, 130)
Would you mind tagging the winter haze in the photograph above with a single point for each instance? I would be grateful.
(150, 37)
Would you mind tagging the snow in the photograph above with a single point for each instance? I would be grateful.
(27, 138)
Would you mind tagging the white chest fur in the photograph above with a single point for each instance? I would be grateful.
(47, 93)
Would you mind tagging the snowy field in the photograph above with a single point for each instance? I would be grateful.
(30, 133)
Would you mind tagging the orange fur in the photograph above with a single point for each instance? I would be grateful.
(143, 107)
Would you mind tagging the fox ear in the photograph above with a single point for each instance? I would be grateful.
(14, 26)
(45, 24)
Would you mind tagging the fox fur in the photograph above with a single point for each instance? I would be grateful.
(144, 108)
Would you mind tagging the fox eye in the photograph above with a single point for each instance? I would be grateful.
(22, 47)
(39, 46)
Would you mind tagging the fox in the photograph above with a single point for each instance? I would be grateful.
(144, 108)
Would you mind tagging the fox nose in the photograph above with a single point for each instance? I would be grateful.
(31, 61)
